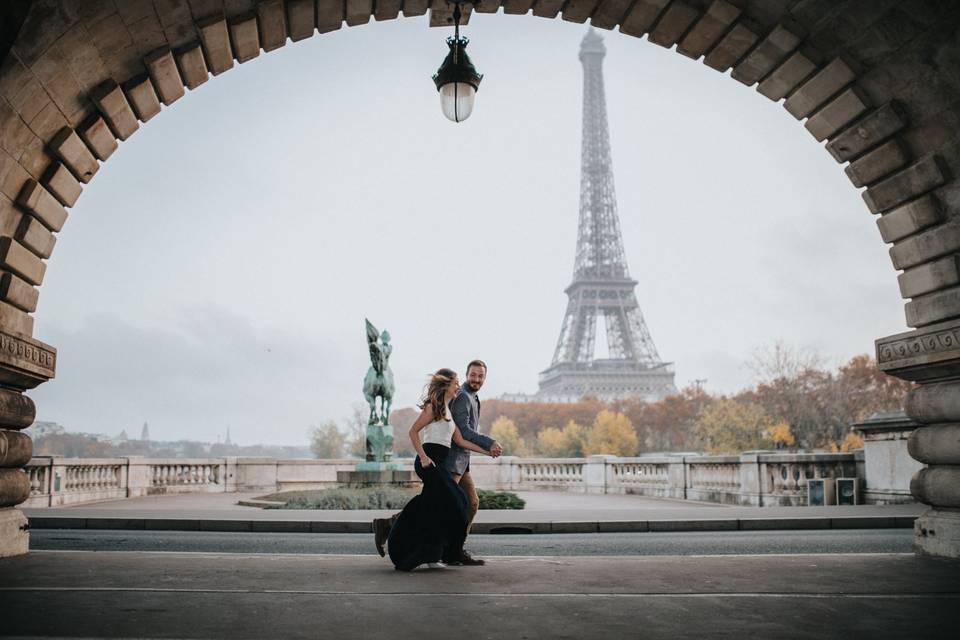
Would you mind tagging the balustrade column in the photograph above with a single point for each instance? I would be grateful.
(16, 413)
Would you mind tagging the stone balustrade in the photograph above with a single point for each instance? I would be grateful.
(755, 478)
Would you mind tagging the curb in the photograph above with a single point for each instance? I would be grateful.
(494, 528)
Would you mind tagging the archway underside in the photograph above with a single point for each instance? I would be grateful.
(877, 82)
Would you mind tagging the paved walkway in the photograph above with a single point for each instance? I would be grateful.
(173, 595)
(546, 512)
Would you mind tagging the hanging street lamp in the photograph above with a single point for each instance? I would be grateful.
(457, 79)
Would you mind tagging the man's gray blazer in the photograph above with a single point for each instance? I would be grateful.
(466, 415)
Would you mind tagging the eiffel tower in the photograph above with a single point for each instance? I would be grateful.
(602, 287)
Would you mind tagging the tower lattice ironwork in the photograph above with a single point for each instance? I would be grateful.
(602, 287)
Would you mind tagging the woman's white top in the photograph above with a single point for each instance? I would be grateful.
(438, 432)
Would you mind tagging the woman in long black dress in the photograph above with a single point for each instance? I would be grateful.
(433, 523)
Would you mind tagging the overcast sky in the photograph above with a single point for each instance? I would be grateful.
(218, 269)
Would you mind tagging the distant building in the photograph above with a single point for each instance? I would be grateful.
(227, 440)
(145, 433)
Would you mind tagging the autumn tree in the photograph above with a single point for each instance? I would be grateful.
(504, 431)
(326, 441)
(561, 443)
(780, 435)
(729, 426)
(611, 434)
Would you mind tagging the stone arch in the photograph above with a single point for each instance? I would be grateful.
(878, 83)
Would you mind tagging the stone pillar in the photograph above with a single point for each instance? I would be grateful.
(24, 364)
(930, 356)
(595, 473)
(751, 481)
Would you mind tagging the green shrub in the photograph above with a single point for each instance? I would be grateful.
(346, 499)
(500, 500)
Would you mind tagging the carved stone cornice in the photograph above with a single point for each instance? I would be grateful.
(25, 362)
(927, 354)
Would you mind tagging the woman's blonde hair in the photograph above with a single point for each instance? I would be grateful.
(434, 394)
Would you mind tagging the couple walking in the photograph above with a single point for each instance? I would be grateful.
(432, 528)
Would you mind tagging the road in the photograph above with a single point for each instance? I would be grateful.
(607, 544)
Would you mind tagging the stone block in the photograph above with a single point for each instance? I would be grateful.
(14, 539)
(937, 485)
(936, 443)
(787, 76)
(937, 533)
(869, 132)
(18, 259)
(329, 15)
(62, 185)
(578, 10)
(17, 411)
(38, 201)
(245, 38)
(419, 7)
(271, 24)
(933, 308)
(70, 148)
(929, 277)
(193, 68)
(820, 88)
(16, 449)
(14, 487)
(35, 236)
(24, 362)
(547, 8)
(18, 292)
(163, 71)
(359, 12)
(14, 133)
(302, 18)
(608, 14)
(641, 17)
(510, 7)
(931, 403)
(115, 109)
(390, 9)
(909, 218)
(709, 28)
(673, 24)
(837, 114)
(766, 56)
(488, 6)
(441, 15)
(98, 138)
(878, 163)
(733, 46)
(215, 38)
(18, 323)
(916, 180)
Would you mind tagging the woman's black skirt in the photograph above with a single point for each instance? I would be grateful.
(433, 525)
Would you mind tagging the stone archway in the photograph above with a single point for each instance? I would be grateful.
(877, 82)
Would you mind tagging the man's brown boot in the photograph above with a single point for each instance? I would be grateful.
(467, 560)
(381, 529)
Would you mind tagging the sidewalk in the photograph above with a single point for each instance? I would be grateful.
(546, 512)
(199, 595)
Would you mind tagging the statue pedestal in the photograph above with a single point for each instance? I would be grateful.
(392, 477)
